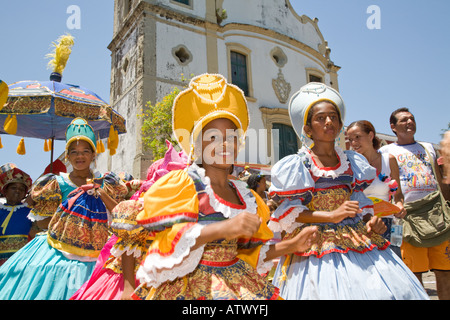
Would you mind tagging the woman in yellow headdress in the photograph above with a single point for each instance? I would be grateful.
(210, 234)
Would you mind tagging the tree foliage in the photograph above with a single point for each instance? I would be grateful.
(157, 125)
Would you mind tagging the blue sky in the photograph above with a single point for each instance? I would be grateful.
(404, 63)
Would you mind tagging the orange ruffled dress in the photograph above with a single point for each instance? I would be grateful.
(176, 208)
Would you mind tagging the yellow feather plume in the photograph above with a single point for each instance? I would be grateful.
(61, 53)
(1, 146)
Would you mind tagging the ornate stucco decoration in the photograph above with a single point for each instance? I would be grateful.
(281, 87)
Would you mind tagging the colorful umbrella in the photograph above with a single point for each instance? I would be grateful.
(44, 109)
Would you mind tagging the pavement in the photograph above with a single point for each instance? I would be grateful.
(429, 283)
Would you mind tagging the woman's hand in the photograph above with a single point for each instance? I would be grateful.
(376, 225)
(243, 225)
(347, 209)
(304, 240)
(402, 212)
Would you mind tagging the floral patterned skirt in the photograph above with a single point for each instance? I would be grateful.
(349, 235)
(232, 280)
(347, 263)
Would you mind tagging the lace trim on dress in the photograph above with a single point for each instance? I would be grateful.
(332, 172)
(264, 266)
(219, 205)
(130, 250)
(157, 269)
(287, 222)
(35, 217)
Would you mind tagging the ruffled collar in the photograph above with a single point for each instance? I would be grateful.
(65, 176)
(327, 172)
(228, 209)
(16, 207)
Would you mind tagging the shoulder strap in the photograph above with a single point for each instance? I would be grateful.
(385, 165)
(434, 172)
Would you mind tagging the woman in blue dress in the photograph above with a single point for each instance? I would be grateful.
(323, 185)
(74, 209)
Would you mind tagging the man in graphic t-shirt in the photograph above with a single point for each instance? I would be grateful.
(417, 180)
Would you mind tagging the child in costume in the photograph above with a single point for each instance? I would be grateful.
(323, 185)
(127, 247)
(209, 233)
(74, 208)
(15, 226)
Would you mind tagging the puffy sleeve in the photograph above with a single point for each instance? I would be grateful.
(132, 238)
(46, 195)
(171, 211)
(363, 176)
(114, 186)
(253, 251)
(292, 186)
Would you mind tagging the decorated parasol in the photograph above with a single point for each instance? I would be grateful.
(44, 109)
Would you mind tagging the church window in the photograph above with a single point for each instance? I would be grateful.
(186, 2)
(314, 78)
(125, 64)
(287, 140)
(315, 75)
(127, 7)
(239, 71)
(182, 55)
(278, 57)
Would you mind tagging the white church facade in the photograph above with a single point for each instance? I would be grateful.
(263, 46)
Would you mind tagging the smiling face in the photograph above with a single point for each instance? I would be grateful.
(219, 143)
(324, 124)
(80, 155)
(405, 127)
(360, 141)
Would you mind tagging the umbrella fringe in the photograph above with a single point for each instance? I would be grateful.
(21, 147)
(10, 125)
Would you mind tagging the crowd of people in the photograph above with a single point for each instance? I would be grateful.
(187, 231)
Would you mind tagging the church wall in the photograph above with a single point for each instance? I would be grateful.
(146, 64)
(170, 38)
(274, 15)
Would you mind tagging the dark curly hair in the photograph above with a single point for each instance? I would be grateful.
(253, 180)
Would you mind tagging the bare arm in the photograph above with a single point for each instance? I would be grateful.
(445, 188)
(347, 209)
(301, 242)
(398, 196)
(128, 264)
(243, 225)
(109, 202)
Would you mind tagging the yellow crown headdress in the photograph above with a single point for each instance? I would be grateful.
(208, 97)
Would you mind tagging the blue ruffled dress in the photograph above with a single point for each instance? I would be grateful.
(55, 264)
(347, 262)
